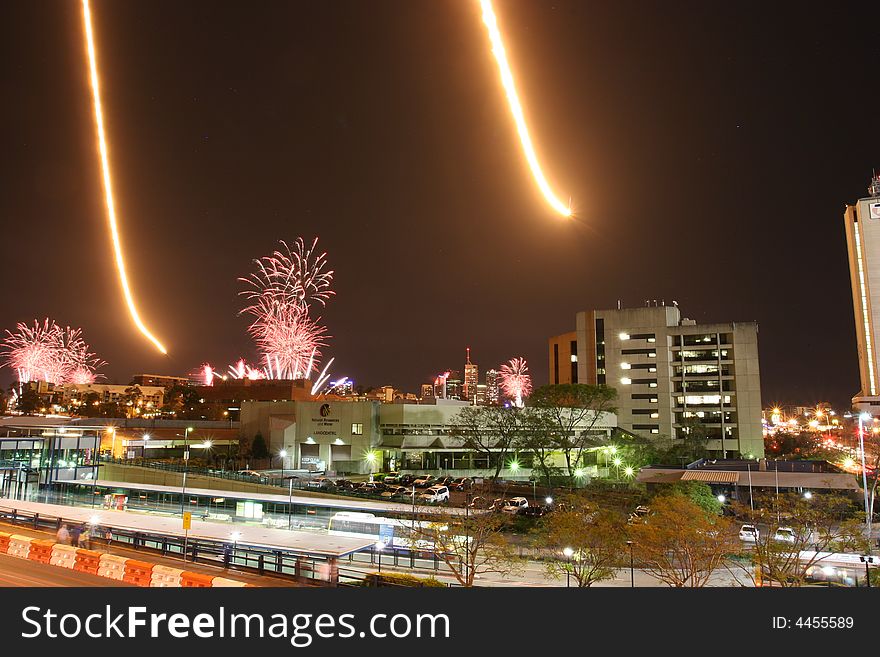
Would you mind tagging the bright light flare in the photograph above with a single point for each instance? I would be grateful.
(108, 187)
(491, 23)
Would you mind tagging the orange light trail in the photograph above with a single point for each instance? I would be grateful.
(491, 23)
(108, 188)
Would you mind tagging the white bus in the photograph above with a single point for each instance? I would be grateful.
(391, 531)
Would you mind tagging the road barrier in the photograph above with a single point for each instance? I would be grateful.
(165, 577)
(111, 566)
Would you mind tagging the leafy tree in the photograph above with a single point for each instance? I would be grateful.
(469, 546)
(572, 410)
(489, 430)
(538, 438)
(595, 538)
(818, 525)
(681, 544)
(28, 400)
(697, 492)
(259, 449)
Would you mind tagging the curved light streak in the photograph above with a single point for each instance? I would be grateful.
(491, 23)
(108, 189)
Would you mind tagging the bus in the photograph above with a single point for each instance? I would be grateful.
(390, 531)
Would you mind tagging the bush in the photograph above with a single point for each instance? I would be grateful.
(401, 579)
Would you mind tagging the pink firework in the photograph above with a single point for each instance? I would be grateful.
(515, 380)
(46, 352)
(293, 277)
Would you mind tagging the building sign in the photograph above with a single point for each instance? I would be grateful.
(874, 210)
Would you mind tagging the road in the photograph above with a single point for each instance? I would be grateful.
(21, 572)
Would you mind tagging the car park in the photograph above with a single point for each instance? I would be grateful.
(749, 534)
(392, 478)
(370, 488)
(345, 484)
(394, 491)
(424, 481)
(406, 479)
(435, 494)
(321, 483)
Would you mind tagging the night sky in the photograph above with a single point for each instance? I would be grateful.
(708, 147)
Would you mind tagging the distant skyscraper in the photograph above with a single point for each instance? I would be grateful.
(427, 391)
(493, 395)
(471, 378)
(862, 224)
(454, 385)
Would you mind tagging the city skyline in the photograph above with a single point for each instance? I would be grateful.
(219, 152)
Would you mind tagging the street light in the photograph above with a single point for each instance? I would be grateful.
(380, 545)
(863, 417)
(722, 499)
(568, 552)
(867, 560)
(548, 500)
(808, 495)
(186, 433)
(283, 455)
(632, 569)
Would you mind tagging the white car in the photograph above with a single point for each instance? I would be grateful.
(749, 534)
(514, 505)
(784, 534)
(435, 494)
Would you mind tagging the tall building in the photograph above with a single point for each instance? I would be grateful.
(471, 379)
(862, 225)
(493, 393)
(670, 373)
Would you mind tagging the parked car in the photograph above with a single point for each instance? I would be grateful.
(370, 488)
(424, 481)
(345, 484)
(512, 506)
(533, 511)
(253, 474)
(386, 477)
(435, 494)
(321, 483)
(749, 534)
(478, 502)
(784, 535)
(461, 483)
(395, 491)
(444, 481)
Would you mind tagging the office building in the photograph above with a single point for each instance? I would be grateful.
(471, 379)
(670, 373)
(862, 226)
(493, 391)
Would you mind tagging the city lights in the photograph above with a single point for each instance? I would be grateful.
(108, 187)
(516, 110)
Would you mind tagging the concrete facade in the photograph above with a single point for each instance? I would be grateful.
(862, 226)
(670, 371)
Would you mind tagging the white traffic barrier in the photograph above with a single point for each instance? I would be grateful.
(63, 555)
(112, 566)
(222, 582)
(165, 577)
(19, 546)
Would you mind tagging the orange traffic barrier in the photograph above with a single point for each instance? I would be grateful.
(19, 546)
(63, 555)
(112, 566)
(137, 572)
(4, 542)
(165, 576)
(41, 550)
(87, 561)
(195, 580)
(222, 582)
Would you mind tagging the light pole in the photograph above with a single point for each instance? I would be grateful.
(568, 552)
(867, 560)
(862, 418)
(185, 465)
(632, 569)
(751, 500)
(290, 504)
(283, 455)
(380, 545)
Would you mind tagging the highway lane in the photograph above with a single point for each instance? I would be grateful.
(21, 572)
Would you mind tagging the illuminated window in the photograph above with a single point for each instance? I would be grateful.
(357, 429)
(625, 381)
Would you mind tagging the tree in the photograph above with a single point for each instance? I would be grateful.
(259, 449)
(585, 542)
(28, 400)
(697, 492)
(489, 430)
(537, 438)
(680, 544)
(816, 527)
(469, 546)
(572, 410)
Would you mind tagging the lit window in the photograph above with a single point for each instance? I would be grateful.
(653, 400)
(652, 339)
(624, 336)
(655, 430)
(652, 369)
(653, 384)
(625, 381)
(652, 354)
(357, 429)
(574, 358)
(625, 366)
(655, 414)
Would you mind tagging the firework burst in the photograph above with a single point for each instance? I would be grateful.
(47, 352)
(515, 380)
